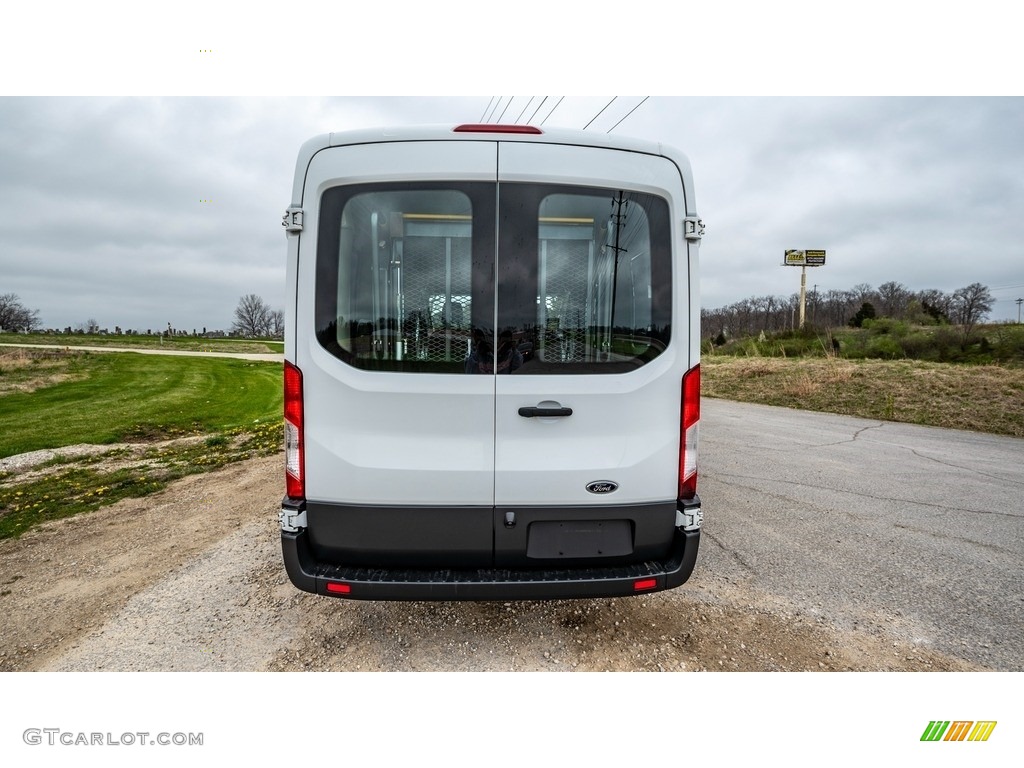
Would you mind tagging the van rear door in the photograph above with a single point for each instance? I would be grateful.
(587, 424)
(399, 466)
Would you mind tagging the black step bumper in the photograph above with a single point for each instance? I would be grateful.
(487, 584)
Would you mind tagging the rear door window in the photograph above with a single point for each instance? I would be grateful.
(584, 278)
(405, 275)
(409, 276)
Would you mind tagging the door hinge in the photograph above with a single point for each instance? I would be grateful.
(292, 519)
(292, 220)
(690, 517)
(693, 228)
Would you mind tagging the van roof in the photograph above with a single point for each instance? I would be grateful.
(489, 132)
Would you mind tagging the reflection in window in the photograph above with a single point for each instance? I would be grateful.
(594, 279)
(408, 275)
(404, 280)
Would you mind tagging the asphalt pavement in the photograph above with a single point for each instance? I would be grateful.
(915, 528)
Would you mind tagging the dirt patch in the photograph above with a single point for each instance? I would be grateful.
(66, 578)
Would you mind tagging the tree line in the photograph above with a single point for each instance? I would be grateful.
(965, 307)
(253, 317)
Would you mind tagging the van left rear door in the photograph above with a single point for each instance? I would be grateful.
(399, 439)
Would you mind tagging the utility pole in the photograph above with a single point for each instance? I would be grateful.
(620, 222)
(1019, 302)
(803, 293)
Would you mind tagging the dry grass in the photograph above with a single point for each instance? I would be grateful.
(26, 370)
(984, 398)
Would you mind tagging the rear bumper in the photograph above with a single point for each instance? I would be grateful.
(360, 583)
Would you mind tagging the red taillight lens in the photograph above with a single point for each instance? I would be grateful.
(689, 427)
(338, 588)
(293, 437)
(643, 584)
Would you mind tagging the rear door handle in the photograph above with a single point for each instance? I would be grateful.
(532, 411)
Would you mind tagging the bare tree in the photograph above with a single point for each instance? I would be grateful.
(277, 323)
(766, 305)
(252, 317)
(970, 305)
(15, 316)
(863, 292)
(893, 299)
(837, 306)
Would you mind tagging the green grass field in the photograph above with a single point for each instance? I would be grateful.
(230, 410)
(110, 397)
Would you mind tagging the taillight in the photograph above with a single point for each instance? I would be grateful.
(690, 422)
(293, 437)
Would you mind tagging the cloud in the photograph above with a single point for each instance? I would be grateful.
(140, 211)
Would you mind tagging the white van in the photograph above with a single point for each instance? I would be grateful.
(491, 365)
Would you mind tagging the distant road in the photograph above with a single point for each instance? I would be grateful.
(270, 357)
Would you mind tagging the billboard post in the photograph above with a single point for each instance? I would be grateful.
(803, 259)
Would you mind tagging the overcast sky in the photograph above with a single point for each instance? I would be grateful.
(144, 211)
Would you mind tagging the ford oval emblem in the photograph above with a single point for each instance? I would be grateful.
(602, 486)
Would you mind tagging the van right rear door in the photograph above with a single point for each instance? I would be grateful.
(587, 427)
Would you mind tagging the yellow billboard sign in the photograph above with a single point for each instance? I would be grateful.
(803, 259)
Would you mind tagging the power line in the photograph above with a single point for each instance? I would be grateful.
(488, 119)
(507, 105)
(525, 108)
(599, 113)
(552, 110)
(634, 109)
(486, 108)
(537, 109)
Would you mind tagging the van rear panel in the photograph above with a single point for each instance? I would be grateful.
(492, 331)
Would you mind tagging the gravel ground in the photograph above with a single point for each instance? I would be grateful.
(25, 461)
(190, 579)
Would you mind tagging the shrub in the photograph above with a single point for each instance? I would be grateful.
(918, 346)
(884, 347)
(886, 326)
(947, 344)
